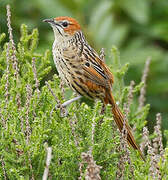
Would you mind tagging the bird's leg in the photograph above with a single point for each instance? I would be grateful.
(70, 101)
(63, 110)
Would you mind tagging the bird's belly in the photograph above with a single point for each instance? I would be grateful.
(62, 68)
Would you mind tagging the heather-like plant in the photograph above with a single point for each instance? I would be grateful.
(37, 139)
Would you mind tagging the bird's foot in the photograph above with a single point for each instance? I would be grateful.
(63, 109)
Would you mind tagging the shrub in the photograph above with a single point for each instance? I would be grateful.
(83, 144)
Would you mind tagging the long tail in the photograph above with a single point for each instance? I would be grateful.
(119, 119)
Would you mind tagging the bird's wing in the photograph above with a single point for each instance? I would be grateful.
(95, 69)
(87, 62)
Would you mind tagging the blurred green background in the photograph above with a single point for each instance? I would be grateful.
(139, 28)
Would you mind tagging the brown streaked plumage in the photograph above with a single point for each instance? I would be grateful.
(80, 67)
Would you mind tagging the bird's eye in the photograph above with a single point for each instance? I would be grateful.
(87, 64)
(65, 24)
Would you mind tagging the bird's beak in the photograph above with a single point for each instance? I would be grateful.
(48, 20)
(52, 22)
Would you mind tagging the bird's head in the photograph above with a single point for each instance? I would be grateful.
(64, 27)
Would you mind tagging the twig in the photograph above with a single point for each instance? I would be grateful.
(92, 169)
(154, 170)
(7, 75)
(159, 120)
(102, 54)
(28, 99)
(72, 124)
(129, 99)
(14, 58)
(21, 122)
(93, 131)
(61, 86)
(2, 119)
(123, 148)
(59, 105)
(120, 168)
(28, 129)
(48, 161)
(3, 168)
(80, 170)
(125, 156)
(56, 99)
(157, 149)
(145, 140)
(157, 131)
(30, 165)
(37, 84)
(144, 79)
(18, 100)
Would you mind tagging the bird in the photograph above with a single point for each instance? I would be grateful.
(80, 67)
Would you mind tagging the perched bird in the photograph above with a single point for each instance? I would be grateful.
(81, 68)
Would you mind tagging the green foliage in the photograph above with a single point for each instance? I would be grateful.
(30, 121)
(137, 27)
